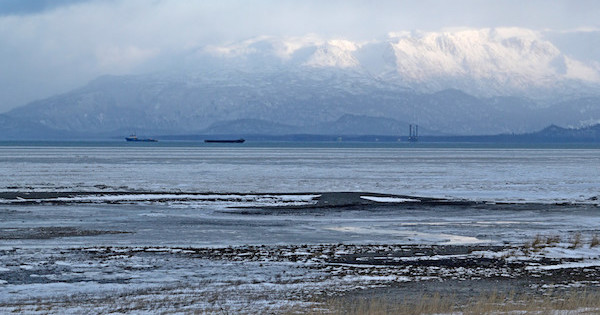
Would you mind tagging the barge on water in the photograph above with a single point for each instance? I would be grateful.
(225, 141)
(134, 138)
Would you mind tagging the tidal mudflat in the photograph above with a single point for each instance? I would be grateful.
(212, 252)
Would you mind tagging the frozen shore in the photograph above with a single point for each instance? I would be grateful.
(279, 278)
(65, 252)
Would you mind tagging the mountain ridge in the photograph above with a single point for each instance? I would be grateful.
(191, 103)
(483, 62)
(424, 78)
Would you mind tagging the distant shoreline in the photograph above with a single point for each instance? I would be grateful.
(313, 200)
(427, 143)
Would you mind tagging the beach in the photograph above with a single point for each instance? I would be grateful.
(282, 252)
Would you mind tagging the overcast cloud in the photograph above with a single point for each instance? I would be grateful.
(49, 47)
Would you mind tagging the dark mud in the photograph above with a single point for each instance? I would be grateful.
(439, 268)
(49, 232)
(448, 271)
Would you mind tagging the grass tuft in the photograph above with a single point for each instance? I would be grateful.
(576, 241)
(595, 241)
(537, 241)
(552, 239)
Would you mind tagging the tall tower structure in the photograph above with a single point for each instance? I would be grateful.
(413, 133)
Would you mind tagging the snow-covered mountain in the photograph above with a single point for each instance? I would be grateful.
(314, 101)
(482, 62)
(454, 82)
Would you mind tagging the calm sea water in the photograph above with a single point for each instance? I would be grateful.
(550, 173)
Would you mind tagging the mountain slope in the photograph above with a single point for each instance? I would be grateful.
(190, 103)
(347, 125)
(15, 128)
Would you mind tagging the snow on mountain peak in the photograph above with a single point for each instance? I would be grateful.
(480, 54)
(335, 53)
(280, 47)
(488, 61)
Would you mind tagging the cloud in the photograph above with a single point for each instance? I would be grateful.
(51, 46)
(21, 7)
(581, 43)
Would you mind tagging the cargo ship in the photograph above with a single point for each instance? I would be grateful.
(225, 141)
(134, 138)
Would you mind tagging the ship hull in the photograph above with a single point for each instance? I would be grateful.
(140, 140)
(225, 141)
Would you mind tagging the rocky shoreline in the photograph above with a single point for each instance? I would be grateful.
(302, 274)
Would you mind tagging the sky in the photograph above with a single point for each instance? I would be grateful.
(49, 47)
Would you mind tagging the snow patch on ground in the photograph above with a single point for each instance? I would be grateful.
(389, 199)
(413, 236)
(118, 198)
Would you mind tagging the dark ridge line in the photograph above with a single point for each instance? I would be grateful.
(325, 200)
(9, 195)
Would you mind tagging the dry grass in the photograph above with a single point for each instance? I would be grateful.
(552, 239)
(595, 241)
(427, 304)
(576, 241)
(537, 241)
(489, 303)
(541, 241)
